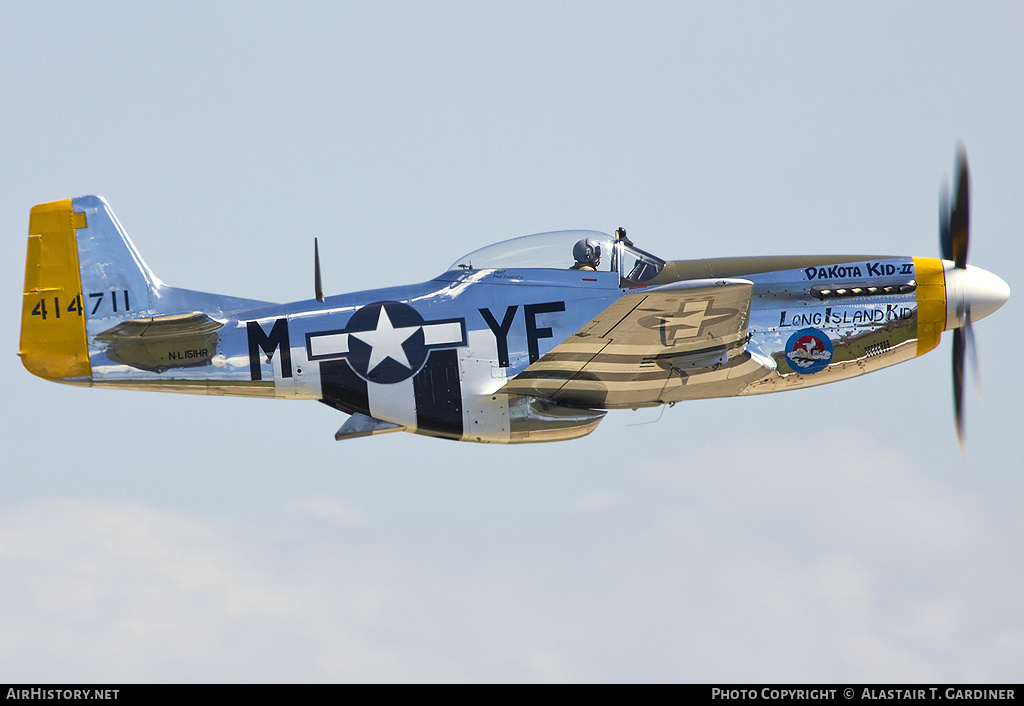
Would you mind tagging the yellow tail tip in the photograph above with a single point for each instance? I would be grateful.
(53, 339)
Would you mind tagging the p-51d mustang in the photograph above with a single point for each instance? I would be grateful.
(511, 344)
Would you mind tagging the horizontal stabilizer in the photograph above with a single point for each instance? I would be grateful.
(166, 326)
(159, 343)
(359, 425)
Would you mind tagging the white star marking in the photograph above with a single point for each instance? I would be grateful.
(386, 341)
(688, 319)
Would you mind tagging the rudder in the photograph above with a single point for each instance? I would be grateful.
(82, 276)
(53, 342)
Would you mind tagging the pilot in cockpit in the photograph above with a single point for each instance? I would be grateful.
(587, 253)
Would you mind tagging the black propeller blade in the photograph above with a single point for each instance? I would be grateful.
(960, 342)
(945, 239)
(960, 217)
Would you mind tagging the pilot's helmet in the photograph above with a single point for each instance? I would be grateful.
(587, 251)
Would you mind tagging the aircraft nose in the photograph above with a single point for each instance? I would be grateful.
(972, 289)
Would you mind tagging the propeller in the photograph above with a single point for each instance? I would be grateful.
(954, 235)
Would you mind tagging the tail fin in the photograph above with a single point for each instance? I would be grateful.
(82, 276)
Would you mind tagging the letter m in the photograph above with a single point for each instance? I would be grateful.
(278, 338)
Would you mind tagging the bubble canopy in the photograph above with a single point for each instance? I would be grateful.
(554, 251)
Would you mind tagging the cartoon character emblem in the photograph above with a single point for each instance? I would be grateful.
(386, 342)
(809, 350)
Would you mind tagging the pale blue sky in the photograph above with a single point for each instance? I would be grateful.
(832, 534)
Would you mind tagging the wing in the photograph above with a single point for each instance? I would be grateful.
(640, 349)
